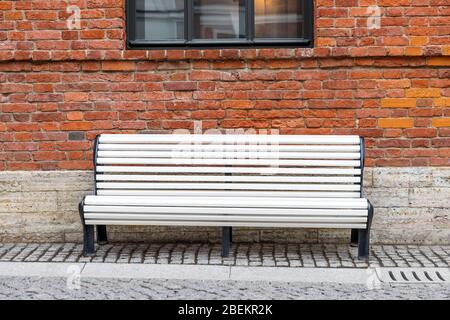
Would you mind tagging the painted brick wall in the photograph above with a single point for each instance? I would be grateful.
(60, 87)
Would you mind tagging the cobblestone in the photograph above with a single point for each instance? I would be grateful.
(241, 254)
(156, 289)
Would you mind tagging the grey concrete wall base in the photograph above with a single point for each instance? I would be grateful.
(412, 206)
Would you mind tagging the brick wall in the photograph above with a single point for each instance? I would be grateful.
(50, 111)
(61, 87)
(37, 30)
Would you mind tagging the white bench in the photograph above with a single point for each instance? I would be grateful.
(228, 181)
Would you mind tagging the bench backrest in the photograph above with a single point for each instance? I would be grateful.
(241, 165)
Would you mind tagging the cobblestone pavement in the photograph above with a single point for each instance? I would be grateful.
(269, 255)
(92, 288)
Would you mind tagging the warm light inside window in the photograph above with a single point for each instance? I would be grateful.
(278, 19)
(219, 23)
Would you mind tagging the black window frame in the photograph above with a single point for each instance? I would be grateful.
(189, 43)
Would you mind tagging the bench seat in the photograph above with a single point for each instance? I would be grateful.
(228, 181)
(227, 211)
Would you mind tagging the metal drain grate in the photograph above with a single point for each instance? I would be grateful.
(414, 275)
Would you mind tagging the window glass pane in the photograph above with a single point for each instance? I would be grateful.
(219, 19)
(160, 20)
(278, 19)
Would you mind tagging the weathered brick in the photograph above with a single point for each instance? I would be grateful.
(439, 61)
(180, 86)
(396, 123)
(118, 66)
(418, 41)
(76, 96)
(441, 122)
(423, 93)
(398, 103)
(442, 102)
(75, 116)
(76, 126)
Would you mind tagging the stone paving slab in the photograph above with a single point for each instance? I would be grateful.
(242, 254)
(197, 272)
(38, 288)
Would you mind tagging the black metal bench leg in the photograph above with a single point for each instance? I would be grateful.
(88, 233)
(102, 235)
(226, 241)
(364, 237)
(354, 237)
(363, 245)
(89, 243)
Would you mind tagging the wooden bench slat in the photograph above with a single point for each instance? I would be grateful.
(228, 211)
(231, 193)
(223, 178)
(227, 224)
(214, 217)
(208, 138)
(233, 170)
(305, 203)
(227, 155)
(221, 162)
(228, 186)
(232, 148)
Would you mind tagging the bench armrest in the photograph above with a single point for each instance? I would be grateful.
(96, 143)
(362, 152)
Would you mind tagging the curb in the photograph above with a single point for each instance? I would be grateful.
(186, 272)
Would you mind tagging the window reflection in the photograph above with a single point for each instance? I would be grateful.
(160, 20)
(219, 19)
(278, 19)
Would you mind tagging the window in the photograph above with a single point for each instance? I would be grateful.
(222, 19)
(219, 23)
(160, 20)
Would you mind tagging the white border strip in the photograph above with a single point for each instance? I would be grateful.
(186, 272)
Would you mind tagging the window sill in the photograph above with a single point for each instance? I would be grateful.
(229, 44)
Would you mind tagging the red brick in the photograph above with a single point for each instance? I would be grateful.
(421, 133)
(92, 34)
(48, 156)
(180, 86)
(73, 145)
(15, 166)
(76, 96)
(118, 66)
(76, 126)
(19, 146)
(228, 65)
(441, 122)
(47, 117)
(75, 165)
(75, 116)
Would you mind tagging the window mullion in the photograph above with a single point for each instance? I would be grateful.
(250, 8)
(188, 20)
(308, 12)
(131, 20)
